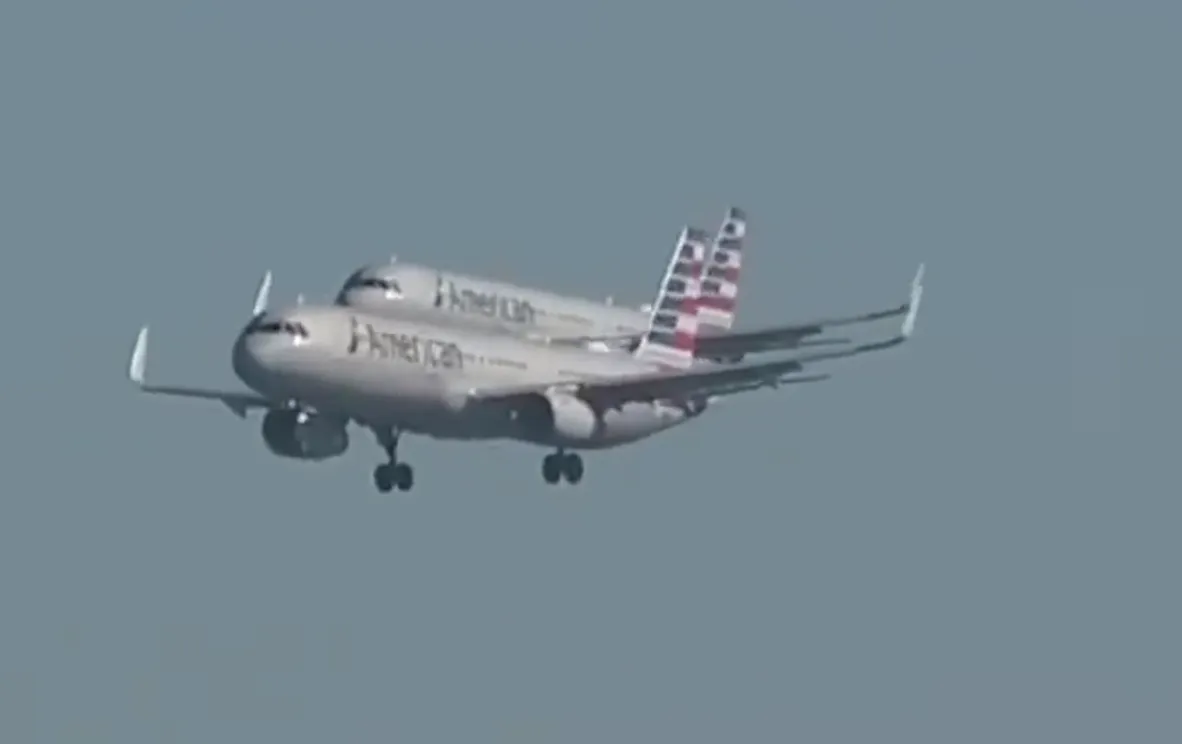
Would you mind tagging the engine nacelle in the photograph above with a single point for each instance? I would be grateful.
(304, 436)
(560, 416)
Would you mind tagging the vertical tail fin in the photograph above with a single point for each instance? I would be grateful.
(720, 284)
(672, 335)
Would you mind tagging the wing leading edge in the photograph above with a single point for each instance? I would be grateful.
(711, 381)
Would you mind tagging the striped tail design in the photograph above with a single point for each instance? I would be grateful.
(720, 285)
(672, 335)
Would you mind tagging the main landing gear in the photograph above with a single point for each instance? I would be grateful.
(559, 465)
(392, 474)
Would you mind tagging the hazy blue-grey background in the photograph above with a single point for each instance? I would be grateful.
(973, 539)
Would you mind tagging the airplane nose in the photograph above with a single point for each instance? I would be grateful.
(244, 359)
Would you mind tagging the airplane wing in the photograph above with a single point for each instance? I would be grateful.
(672, 384)
(771, 338)
(698, 381)
(238, 402)
(759, 384)
(775, 338)
(622, 339)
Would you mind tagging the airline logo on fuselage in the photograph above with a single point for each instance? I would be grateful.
(407, 347)
(489, 304)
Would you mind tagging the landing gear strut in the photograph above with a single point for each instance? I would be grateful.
(392, 474)
(559, 465)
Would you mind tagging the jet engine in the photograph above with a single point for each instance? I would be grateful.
(560, 415)
(304, 436)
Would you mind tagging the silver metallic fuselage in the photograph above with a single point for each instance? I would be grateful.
(384, 371)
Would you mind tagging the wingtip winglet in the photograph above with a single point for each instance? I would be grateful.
(913, 304)
(263, 295)
(139, 358)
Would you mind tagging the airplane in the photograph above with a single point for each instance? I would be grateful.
(314, 369)
(419, 292)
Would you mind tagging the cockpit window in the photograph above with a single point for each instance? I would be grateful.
(377, 282)
(361, 280)
(276, 327)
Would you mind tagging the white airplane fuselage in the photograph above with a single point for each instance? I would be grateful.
(384, 371)
(419, 292)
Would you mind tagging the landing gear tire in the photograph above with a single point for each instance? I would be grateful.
(392, 474)
(572, 468)
(552, 468)
(404, 476)
(388, 476)
(383, 478)
(562, 465)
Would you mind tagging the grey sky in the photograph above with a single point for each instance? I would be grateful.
(973, 539)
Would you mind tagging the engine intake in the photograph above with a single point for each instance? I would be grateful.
(304, 436)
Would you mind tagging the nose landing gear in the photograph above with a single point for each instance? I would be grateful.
(392, 474)
(559, 465)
